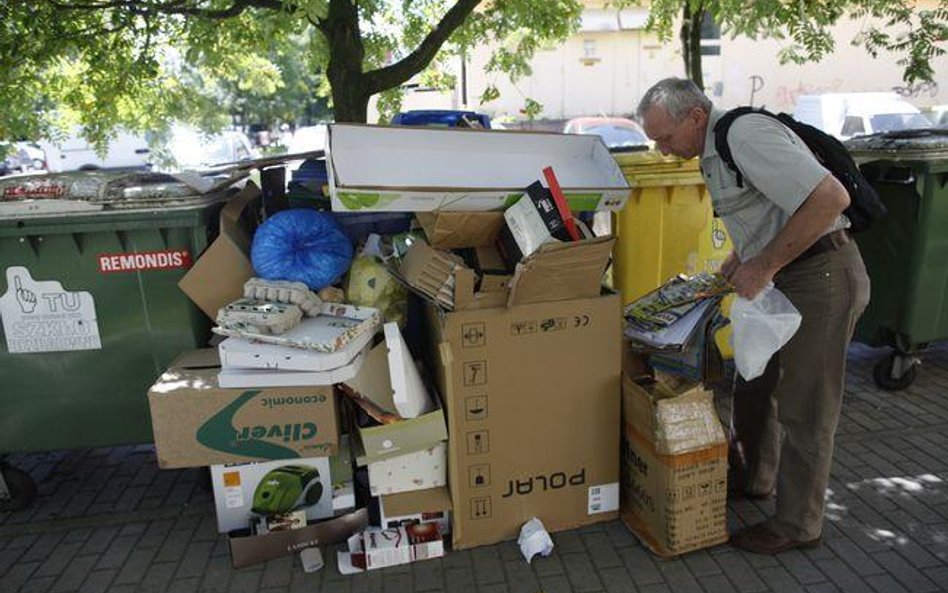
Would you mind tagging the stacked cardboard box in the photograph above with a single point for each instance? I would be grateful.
(674, 464)
(527, 438)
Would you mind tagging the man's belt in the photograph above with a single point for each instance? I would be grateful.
(828, 242)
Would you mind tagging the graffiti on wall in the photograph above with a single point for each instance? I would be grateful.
(786, 96)
(919, 89)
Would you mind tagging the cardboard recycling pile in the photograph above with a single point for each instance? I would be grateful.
(674, 452)
(325, 428)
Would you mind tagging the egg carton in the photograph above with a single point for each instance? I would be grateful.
(259, 317)
(283, 291)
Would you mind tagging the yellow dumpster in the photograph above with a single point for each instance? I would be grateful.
(667, 227)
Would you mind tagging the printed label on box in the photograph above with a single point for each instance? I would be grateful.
(603, 498)
(233, 493)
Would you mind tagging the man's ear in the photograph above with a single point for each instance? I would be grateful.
(698, 115)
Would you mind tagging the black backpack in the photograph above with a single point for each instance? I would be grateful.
(864, 208)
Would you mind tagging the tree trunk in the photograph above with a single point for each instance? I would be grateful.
(350, 94)
(690, 36)
(350, 104)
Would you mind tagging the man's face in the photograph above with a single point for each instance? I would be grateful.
(684, 139)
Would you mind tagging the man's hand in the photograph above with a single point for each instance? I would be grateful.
(751, 277)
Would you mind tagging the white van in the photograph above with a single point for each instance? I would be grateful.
(126, 150)
(845, 115)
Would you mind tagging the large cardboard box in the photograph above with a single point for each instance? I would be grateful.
(197, 423)
(674, 465)
(532, 396)
(419, 169)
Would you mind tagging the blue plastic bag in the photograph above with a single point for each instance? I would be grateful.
(301, 245)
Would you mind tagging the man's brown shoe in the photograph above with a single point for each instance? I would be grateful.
(759, 539)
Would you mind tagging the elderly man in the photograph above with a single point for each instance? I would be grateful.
(787, 224)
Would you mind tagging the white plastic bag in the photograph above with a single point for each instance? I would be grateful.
(761, 327)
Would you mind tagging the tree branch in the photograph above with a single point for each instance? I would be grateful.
(175, 7)
(395, 74)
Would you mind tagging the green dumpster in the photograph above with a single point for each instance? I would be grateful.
(90, 308)
(906, 253)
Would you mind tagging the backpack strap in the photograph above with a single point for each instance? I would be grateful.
(721, 129)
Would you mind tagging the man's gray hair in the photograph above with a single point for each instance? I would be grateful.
(677, 96)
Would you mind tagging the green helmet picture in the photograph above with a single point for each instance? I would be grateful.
(286, 489)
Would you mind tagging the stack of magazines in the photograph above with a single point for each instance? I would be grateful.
(667, 317)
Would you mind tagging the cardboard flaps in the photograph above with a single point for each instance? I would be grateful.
(561, 271)
(557, 271)
(217, 277)
(675, 415)
(458, 230)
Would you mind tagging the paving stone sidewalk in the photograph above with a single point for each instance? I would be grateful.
(110, 520)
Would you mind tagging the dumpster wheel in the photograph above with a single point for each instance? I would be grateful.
(883, 371)
(21, 488)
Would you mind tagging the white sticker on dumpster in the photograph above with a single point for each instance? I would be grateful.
(40, 316)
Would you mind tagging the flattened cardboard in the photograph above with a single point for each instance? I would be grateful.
(249, 354)
(247, 550)
(197, 423)
(217, 277)
(239, 378)
(561, 271)
(423, 169)
(532, 395)
(460, 230)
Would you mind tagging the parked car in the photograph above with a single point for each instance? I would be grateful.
(127, 150)
(444, 118)
(845, 115)
(938, 115)
(21, 157)
(307, 139)
(617, 132)
(189, 148)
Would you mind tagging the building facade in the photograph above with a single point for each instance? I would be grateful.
(605, 67)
